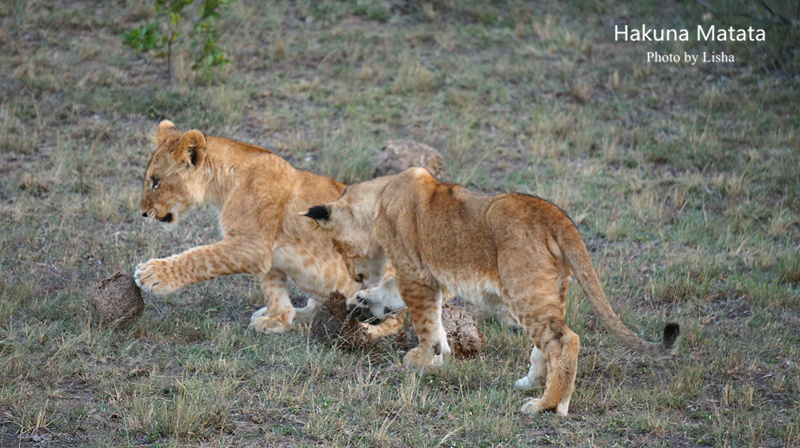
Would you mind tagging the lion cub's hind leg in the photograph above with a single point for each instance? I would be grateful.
(538, 364)
(534, 293)
(442, 335)
(305, 314)
(561, 359)
(538, 370)
(279, 313)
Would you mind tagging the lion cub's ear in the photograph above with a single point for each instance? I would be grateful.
(321, 214)
(191, 149)
(165, 129)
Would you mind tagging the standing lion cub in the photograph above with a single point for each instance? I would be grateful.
(513, 249)
(258, 195)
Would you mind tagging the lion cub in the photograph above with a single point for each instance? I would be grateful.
(258, 195)
(513, 249)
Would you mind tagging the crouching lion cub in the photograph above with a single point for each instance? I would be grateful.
(513, 249)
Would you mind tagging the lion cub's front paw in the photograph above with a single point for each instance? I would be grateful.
(390, 326)
(263, 322)
(532, 406)
(153, 276)
(419, 358)
(258, 314)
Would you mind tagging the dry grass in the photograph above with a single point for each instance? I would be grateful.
(414, 77)
(580, 91)
(683, 181)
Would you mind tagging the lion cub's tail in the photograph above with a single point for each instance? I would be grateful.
(577, 257)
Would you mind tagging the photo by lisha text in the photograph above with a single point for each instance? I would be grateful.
(690, 59)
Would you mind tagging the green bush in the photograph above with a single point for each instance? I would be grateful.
(169, 27)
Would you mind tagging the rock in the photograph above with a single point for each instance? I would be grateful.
(116, 302)
(463, 334)
(399, 155)
(333, 325)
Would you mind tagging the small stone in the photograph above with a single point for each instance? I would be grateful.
(116, 302)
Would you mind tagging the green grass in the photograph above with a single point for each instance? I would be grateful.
(683, 180)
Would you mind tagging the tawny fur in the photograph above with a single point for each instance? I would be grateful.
(515, 249)
(258, 195)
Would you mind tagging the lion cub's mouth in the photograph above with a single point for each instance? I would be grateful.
(168, 218)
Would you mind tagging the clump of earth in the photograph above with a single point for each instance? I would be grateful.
(115, 302)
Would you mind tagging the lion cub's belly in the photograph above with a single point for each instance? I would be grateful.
(314, 270)
(477, 290)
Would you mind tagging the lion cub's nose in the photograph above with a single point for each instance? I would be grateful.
(350, 307)
(144, 214)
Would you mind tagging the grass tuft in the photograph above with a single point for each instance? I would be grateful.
(414, 77)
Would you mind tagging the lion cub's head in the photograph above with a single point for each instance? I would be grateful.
(350, 221)
(173, 180)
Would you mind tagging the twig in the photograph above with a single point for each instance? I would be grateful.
(780, 17)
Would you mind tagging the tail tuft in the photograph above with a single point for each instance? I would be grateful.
(672, 333)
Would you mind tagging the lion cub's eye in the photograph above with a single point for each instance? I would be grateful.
(154, 182)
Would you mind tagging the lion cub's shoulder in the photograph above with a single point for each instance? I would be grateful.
(416, 179)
